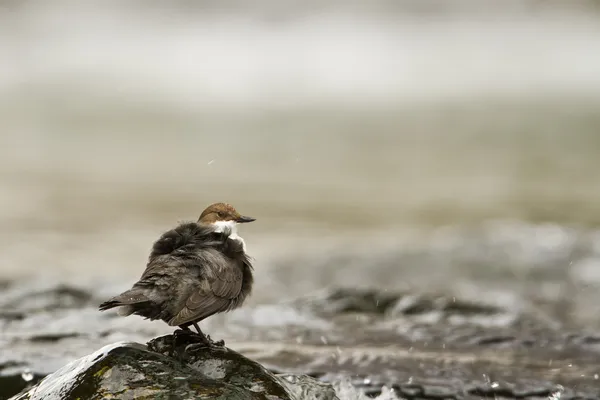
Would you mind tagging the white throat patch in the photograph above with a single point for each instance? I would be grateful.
(222, 225)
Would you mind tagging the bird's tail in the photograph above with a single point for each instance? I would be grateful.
(126, 300)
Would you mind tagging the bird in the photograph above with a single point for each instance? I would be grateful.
(194, 271)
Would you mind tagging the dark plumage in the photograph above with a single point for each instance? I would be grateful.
(194, 271)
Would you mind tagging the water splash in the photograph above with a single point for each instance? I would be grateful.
(303, 387)
(557, 393)
(27, 375)
(346, 391)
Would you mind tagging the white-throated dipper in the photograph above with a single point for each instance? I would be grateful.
(194, 271)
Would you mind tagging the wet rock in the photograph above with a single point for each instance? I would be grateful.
(8, 315)
(435, 321)
(390, 305)
(172, 366)
(349, 300)
(219, 363)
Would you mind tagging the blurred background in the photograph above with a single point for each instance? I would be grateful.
(377, 143)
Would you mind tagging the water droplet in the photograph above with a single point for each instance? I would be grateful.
(211, 161)
(366, 381)
(494, 384)
(27, 375)
(595, 376)
(323, 340)
(410, 380)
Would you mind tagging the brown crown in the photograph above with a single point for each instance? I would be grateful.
(219, 212)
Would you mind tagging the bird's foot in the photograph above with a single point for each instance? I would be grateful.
(204, 343)
(201, 342)
(190, 339)
(183, 332)
(190, 348)
(186, 335)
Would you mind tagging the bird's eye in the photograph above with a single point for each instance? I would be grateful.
(220, 214)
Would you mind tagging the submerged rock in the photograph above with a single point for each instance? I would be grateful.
(171, 366)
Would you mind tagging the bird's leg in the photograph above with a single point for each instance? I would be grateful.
(207, 338)
(183, 330)
(198, 339)
(197, 328)
(186, 334)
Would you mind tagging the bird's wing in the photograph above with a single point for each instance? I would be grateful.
(214, 294)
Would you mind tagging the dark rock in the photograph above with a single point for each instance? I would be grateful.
(52, 337)
(448, 308)
(438, 392)
(10, 315)
(219, 363)
(15, 384)
(346, 300)
(410, 391)
(163, 369)
(493, 340)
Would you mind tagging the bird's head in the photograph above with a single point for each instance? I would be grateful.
(222, 214)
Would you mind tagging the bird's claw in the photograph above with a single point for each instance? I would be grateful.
(195, 346)
(206, 342)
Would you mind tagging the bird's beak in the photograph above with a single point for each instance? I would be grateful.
(242, 219)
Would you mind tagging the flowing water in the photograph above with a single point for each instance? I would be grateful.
(454, 150)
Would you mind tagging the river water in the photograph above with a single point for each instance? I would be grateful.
(452, 150)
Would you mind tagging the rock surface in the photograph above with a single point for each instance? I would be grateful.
(168, 367)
